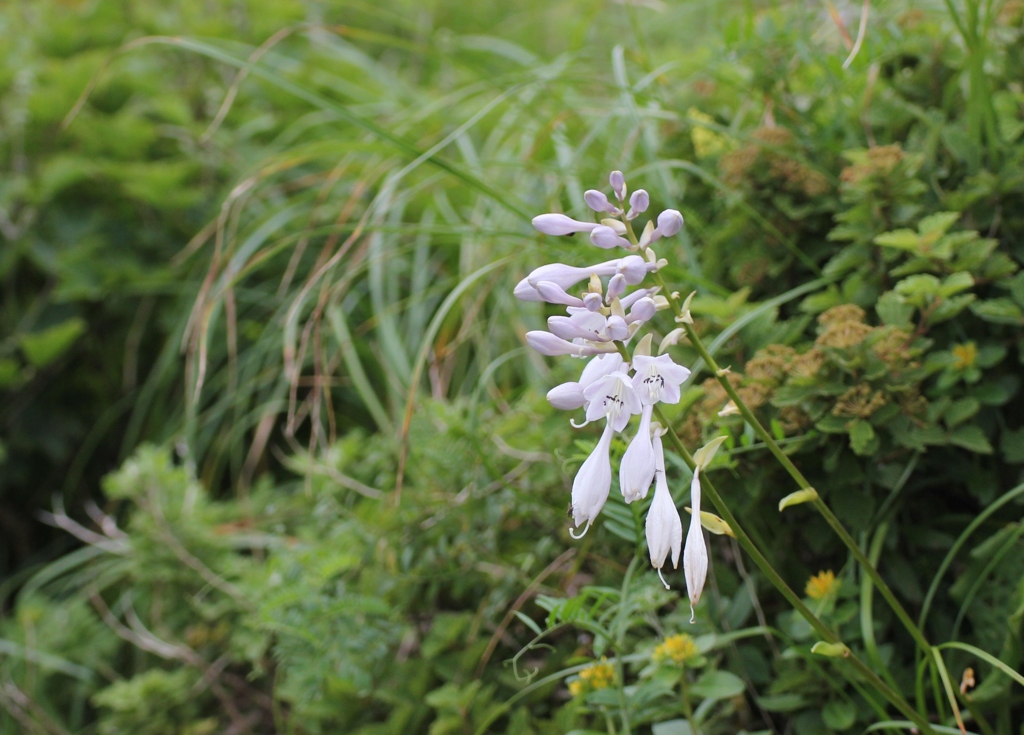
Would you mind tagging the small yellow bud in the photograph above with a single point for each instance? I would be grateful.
(677, 649)
(821, 585)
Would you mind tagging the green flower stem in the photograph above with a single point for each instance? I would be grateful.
(869, 676)
(687, 707)
(795, 473)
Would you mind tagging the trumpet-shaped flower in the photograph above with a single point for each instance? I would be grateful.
(560, 224)
(657, 379)
(592, 483)
(636, 473)
(664, 527)
(569, 396)
(612, 396)
(695, 555)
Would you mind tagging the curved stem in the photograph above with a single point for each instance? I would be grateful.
(801, 481)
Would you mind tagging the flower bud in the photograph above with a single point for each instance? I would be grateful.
(548, 344)
(597, 201)
(638, 203)
(628, 301)
(592, 301)
(616, 287)
(669, 223)
(618, 184)
(560, 224)
(633, 268)
(567, 396)
(605, 237)
(555, 294)
(617, 328)
(642, 311)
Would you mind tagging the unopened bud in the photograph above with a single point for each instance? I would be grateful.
(555, 294)
(597, 201)
(618, 184)
(669, 223)
(592, 301)
(638, 203)
(560, 224)
(567, 396)
(642, 311)
(616, 287)
(606, 238)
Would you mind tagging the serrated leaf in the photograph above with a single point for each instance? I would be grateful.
(960, 411)
(939, 222)
(956, 283)
(892, 309)
(998, 311)
(862, 436)
(902, 239)
(971, 438)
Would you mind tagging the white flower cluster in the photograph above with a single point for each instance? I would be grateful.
(600, 319)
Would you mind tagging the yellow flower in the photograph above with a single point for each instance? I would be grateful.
(821, 585)
(677, 649)
(965, 355)
(706, 142)
(592, 678)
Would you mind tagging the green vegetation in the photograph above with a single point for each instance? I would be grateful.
(275, 458)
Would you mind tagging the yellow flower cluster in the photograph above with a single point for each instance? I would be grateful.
(677, 649)
(965, 355)
(592, 678)
(821, 585)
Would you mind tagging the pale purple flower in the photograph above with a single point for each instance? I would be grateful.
(555, 294)
(639, 201)
(560, 224)
(548, 344)
(592, 301)
(567, 396)
(612, 396)
(643, 310)
(618, 184)
(607, 238)
(657, 379)
(616, 287)
(669, 223)
(630, 299)
(597, 201)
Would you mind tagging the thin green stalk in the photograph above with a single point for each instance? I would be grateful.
(795, 473)
(708, 489)
(620, 644)
(687, 707)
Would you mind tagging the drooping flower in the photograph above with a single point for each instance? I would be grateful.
(695, 555)
(636, 472)
(664, 527)
(569, 396)
(657, 379)
(592, 483)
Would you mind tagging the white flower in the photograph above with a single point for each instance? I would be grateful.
(592, 483)
(612, 396)
(657, 379)
(695, 555)
(560, 224)
(664, 527)
(569, 396)
(597, 201)
(638, 463)
(607, 238)
(639, 201)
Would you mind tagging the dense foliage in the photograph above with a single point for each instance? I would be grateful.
(265, 290)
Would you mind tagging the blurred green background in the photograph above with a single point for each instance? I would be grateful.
(273, 456)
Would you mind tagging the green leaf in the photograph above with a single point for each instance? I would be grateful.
(42, 348)
(672, 727)
(862, 437)
(1011, 443)
(956, 283)
(892, 309)
(971, 438)
(839, 715)
(960, 411)
(902, 239)
(998, 311)
(782, 702)
(939, 222)
(718, 685)
(10, 372)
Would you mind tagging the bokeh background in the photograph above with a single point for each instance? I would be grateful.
(274, 457)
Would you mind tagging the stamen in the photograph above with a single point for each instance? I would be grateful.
(582, 533)
(664, 582)
(573, 424)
